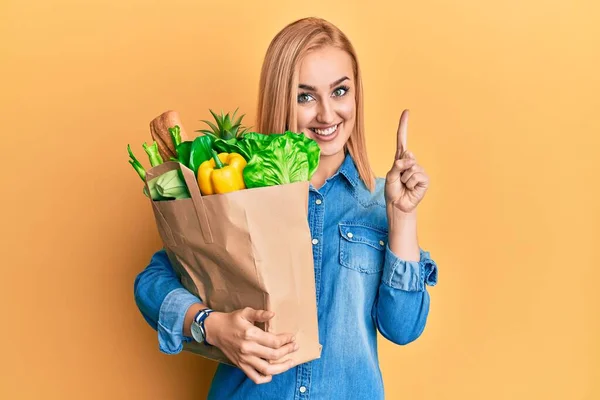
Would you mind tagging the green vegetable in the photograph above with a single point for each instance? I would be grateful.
(288, 158)
(310, 147)
(227, 127)
(201, 150)
(136, 164)
(246, 145)
(231, 146)
(142, 173)
(254, 142)
(184, 150)
(167, 186)
(175, 135)
(170, 185)
(153, 154)
(272, 159)
(154, 195)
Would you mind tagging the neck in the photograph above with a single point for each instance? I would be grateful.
(328, 166)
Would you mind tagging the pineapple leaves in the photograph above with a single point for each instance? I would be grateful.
(218, 119)
(225, 126)
(212, 126)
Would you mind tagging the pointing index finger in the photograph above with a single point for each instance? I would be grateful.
(402, 134)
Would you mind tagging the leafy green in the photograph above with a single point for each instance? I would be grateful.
(308, 146)
(153, 193)
(232, 145)
(246, 145)
(288, 158)
(253, 142)
(184, 150)
(168, 186)
(171, 185)
(201, 150)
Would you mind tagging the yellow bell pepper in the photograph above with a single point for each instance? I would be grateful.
(221, 174)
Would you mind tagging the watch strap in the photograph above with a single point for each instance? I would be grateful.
(199, 319)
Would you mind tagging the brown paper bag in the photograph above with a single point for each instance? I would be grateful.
(249, 248)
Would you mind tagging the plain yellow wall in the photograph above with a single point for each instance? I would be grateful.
(504, 103)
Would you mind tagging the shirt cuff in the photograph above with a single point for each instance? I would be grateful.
(409, 275)
(170, 320)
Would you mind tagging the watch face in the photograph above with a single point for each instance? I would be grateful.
(197, 332)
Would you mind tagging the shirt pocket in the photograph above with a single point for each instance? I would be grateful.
(362, 248)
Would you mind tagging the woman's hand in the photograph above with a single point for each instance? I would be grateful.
(407, 182)
(249, 347)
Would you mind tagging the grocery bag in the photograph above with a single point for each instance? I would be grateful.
(248, 248)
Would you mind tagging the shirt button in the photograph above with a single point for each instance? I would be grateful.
(302, 389)
(381, 242)
(318, 201)
(315, 241)
(350, 235)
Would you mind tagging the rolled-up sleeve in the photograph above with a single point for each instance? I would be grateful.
(402, 305)
(163, 302)
(170, 320)
(410, 276)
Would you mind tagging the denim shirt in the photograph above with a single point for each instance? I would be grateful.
(361, 287)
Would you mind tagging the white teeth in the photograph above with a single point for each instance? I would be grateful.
(325, 132)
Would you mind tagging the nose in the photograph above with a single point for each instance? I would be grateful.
(325, 112)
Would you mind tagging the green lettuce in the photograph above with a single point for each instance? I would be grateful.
(254, 142)
(246, 145)
(308, 146)
(288, 158)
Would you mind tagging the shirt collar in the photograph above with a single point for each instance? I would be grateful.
(349, 171)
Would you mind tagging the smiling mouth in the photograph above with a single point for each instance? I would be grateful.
(327, 131)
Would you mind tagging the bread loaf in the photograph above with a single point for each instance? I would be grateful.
(159, 129)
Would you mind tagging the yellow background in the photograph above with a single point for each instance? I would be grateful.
(504, 117)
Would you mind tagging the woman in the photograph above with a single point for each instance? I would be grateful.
(370, 272)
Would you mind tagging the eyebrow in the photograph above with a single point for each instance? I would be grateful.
(313, 89)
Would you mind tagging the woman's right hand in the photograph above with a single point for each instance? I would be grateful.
(249, 347)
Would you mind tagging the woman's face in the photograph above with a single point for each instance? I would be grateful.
(326, 99)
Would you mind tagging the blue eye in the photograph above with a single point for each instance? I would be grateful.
(304, 98)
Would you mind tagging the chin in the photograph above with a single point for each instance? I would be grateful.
(331, 149)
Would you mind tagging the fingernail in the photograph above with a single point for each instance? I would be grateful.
(293, 338)
(296, 346)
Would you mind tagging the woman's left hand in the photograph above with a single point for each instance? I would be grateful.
(407, 182)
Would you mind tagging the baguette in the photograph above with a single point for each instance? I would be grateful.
(159, 129)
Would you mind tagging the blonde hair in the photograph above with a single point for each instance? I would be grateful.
(278, 91)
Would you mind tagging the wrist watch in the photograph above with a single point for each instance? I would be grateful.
(197, 328)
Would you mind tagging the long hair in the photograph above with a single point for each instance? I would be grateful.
(278, 91)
